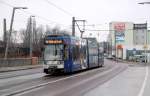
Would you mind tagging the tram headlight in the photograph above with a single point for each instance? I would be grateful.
(61, 62)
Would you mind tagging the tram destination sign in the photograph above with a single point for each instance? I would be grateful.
(53, 41)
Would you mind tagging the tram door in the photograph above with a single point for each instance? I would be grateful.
(83, 54)
(67, 67)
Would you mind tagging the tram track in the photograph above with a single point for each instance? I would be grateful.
(6, 75)
(50, 80)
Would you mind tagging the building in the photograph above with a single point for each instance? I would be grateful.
(106, 47)
(128, 39)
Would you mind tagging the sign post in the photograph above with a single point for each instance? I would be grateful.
(134, 53)
(145, 48)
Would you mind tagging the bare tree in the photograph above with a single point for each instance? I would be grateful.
(38, 37)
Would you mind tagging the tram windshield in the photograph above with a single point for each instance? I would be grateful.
(53, 52)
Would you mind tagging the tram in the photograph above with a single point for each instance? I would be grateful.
(64, 53)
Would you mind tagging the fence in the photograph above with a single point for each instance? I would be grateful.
(11, 62)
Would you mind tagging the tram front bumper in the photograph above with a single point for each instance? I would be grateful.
(52, 69)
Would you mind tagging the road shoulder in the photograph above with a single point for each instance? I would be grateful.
(9, 69)
(127, 83)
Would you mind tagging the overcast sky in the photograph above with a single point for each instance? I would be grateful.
(99, 12)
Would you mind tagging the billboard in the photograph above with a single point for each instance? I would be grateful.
(140, 26)
(119, 32)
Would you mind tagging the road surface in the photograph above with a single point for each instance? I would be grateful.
(114, 79)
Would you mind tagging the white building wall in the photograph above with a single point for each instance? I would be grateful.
(128, 39)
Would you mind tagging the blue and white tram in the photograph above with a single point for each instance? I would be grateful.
(64, 53)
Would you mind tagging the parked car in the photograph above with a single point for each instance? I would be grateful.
(140, 58)
(109, 57)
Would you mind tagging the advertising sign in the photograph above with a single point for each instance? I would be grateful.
(119, 32)
(140, 26)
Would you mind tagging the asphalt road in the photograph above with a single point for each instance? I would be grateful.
(34, 82)
(11, 74)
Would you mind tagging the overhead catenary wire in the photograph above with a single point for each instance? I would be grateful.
(110, 30)
(28, 12)
(6, 3)
(59, 8)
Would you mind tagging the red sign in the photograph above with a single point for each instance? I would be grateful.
(119, 27)
(119, 46)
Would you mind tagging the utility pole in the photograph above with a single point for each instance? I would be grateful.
(5, 32)
(73, 26)
(142, 3)
(31, 35)
(115, 45)
(30, 30)
(146, 44)
(76, 22)
(10, 30)
(9, 35)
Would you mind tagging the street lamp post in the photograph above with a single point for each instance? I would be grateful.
(31, 35)
(142, 3)
(10, 30)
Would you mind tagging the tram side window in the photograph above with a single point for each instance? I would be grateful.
(83, 52)
(76, 53)
(66, 52)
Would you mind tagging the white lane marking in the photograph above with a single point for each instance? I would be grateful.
(97, 75)
(144, 83)
(43, 84)
(19, 78)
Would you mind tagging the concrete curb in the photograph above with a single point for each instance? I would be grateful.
(124, 61)
(9, 69)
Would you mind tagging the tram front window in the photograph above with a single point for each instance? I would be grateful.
(53, 52)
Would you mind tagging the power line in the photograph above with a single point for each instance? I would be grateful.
(61, 9)
(40, 17)
(6, 3)
(111, 30)
(32, 14)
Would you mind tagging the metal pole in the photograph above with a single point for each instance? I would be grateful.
(9, 35)
(73, 26)
(10, 30)
(146, 44)
(83, 28)
(31, 31)
(115, 45)
(5, 33)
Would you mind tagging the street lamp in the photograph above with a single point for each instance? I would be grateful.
(31, 35)
(145, 46)
(144, 3)
(10, 30)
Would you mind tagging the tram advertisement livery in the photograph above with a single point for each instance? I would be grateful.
(66, 54)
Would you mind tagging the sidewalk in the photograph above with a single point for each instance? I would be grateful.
(8, 69)
(128, 62)
(127, 83)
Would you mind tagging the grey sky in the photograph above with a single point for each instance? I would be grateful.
(94, 11)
